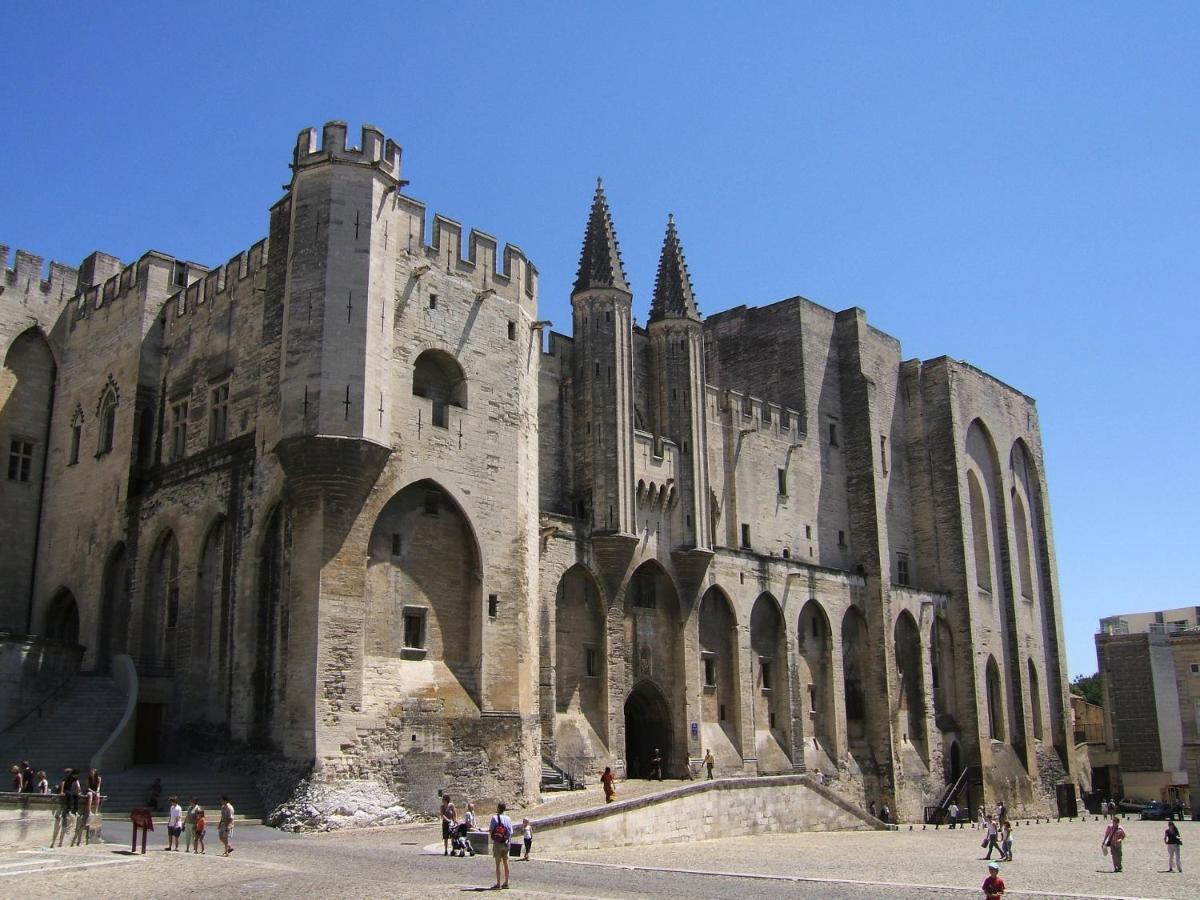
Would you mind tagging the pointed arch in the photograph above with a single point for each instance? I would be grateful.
(113, 625)
(980, 533)
(855, 663)
(815, 659)
(720, 706)
(439, 378)
(211, 620)
(425, 583)
(772, 684)
(1035, 696)
(995, 700)
(581, 670)
(911, 671)
(945, 674)
(160, 603)
(654, 640)
(270, 625)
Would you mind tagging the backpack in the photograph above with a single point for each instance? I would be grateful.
(500, 832)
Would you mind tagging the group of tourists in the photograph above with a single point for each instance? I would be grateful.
(77, 810)
(193, 826)
(456, 836)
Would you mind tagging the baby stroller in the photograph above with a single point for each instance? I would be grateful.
(460, 841)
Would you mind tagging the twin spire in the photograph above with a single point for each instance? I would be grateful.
(600, 265)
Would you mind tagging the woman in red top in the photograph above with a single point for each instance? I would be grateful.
(610, 792)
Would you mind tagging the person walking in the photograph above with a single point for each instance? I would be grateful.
(610, 790)
(1006, 840)
(225, 826)
(201, 827)
(993, 885)
(449, 820)
(500, 829)
(1173, 841)
(174, 824)
(709, 762)
(1114, 842)
(189, 826)
(953, 810)
(992, 839)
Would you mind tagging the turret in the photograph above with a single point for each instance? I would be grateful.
(677, 339)
(603, 377)
(342, 222)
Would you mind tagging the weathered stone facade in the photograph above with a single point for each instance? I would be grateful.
(337, 500)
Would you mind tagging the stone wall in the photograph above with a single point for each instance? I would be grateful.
(31, 670)
(724, 808)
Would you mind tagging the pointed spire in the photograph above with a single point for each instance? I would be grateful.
(600, 263)
(673, 298)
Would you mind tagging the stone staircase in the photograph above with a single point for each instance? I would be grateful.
(67, 732)
(553, 778)
(125, 790)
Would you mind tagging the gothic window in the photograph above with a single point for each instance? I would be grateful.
(20, 460)
(179, 422)
(218, 414)
(439, 378)
(108, 422)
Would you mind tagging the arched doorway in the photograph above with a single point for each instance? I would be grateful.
(654, 644)
(62, 618)
(647, 729)
(907, 643)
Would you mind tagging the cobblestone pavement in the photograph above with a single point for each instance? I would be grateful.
(1053, 859)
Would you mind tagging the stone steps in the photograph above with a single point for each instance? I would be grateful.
(68, 732)
(128, 789)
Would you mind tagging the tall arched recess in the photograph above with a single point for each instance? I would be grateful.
(1028, 482)
(814, 641)
(424, 590)
(720, 707)
(271, 623)
(26, 397)
(160, 605)
(654, 639)
(211, 622)
(112, 629)
(984, 471)
(855, 662)
(580, 673)
(772, 686)
(911, 672)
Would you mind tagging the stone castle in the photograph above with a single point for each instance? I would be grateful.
(346, 499)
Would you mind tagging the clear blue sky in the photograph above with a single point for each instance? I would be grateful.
(1011, 184)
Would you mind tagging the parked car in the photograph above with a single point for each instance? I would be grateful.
(1156, 810)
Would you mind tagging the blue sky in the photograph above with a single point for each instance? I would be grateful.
(1011, 184)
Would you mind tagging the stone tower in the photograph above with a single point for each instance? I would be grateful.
(601, 303)
(677, 338)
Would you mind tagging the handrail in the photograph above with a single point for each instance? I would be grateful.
(53, 695)
(123, 671)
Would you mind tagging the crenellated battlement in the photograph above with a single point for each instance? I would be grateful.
(375, 150)
(483, 262)
(224, 280)
(752, 414)
(28, 275)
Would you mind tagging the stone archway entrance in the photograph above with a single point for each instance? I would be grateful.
(647, 728)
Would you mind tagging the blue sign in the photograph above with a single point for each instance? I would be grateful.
(695, 729)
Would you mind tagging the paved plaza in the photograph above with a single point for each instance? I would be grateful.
(1055, 859)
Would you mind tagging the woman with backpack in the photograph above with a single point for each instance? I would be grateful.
(501, 829)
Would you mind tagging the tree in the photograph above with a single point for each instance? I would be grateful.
(1089, 688)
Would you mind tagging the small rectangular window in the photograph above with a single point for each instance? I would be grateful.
(414, 629)
(76, 436)
(179, 424)
(433, 301)
(781, 478)
(432, 503)
(395, 545)
(808, 532)
(493, 605)
(883, 453)
(812, 698)
(787, 553)
(746, 535)
(902, 569)
(20, 460)
(591, 662)
(512, 331)
(841, 539)
(441, 414)
(833, 437)
(721, 712)
(710, 671)
(218, 414)
(644, 590)
(1196, 668)
(764, 668)
(771, 721)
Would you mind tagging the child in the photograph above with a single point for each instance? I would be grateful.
(200, 826)
(527, 830)
(993, 885)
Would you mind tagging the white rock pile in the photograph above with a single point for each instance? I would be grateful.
(318, 806)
